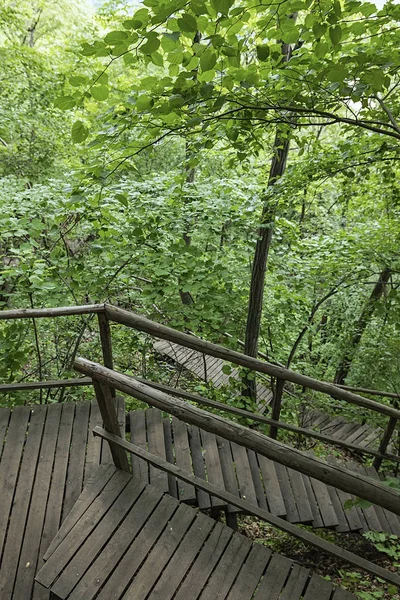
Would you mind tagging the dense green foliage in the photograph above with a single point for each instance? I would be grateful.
(103, 118)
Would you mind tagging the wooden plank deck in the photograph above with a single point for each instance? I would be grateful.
(209, 369)
(47, 455)
(131, 541)
(284, 492)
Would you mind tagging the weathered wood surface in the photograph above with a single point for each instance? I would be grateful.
(351, 433)
(283, 491)
(133, 542)
(208, 368)
(47, 454)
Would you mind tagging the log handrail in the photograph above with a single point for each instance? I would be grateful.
(140, 323)
(353, 483)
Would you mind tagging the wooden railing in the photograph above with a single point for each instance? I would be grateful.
(107, 379)
(107, 313)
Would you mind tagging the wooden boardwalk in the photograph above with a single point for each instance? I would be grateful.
(208, 368)
(284, 492)
(46, 455)
(128, 540)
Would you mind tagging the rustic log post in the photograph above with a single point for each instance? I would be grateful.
(276, 407)
(106, 342)
(391, 426)
(110, 420)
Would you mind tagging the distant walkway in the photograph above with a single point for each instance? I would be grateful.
(209, 369)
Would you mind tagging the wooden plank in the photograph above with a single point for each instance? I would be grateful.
(140, 468)
(318, 589)
(117, 546)
(369, 513)
(159, 556)
(67, 548)
(351, 514)
(37, 510)
(356, 434)
(325, 504)
(257, 479)
(205, 563)
(342, 594)
(183, 458)
(181, 561)
(243, 473)
(123, 574)
(93, 451)
(296, 583)
(59, 311)
(45, 385)
(226, 571)
(273, 492)
(87, 497)
(389, 521)
(250, 573)
(9, 465)
(156, 443)
(56, 493)
(228, 471)
(317, 519)
(301, 496)
(292, 513)
(93, 544)
(5, 414)
(345, 431)
(213, 463)
(76, 463)
(169, 453)
(274, 579)
(203, 499)
(20, 508)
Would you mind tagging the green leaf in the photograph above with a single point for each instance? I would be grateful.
(187, 23)
(321, 48)
(79, 132)
(99, 92)
(222, 6)
(115, 37)
(122, 199)
(77, 80)
(152, 45)
(335, 33)
(144, 102)
(65, 102)
(227, 369)
(319, 30)
(263, 52)
(208, 60)
(337, 73)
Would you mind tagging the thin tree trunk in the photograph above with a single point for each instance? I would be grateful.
(254, 312)
(360, 326)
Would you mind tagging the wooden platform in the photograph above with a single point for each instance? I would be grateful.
(284, 492)
(46, 455)
(128, 540)
(208, 368)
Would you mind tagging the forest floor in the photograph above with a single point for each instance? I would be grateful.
(360, 583)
